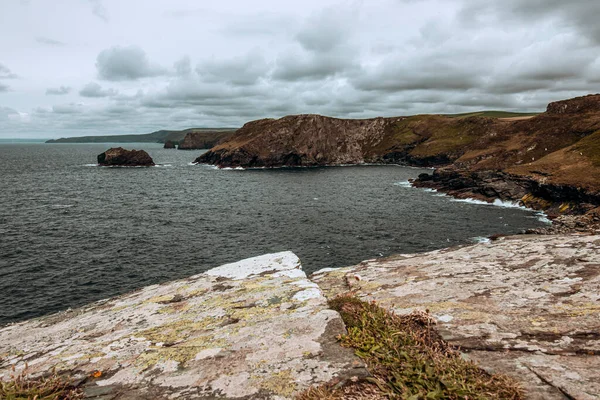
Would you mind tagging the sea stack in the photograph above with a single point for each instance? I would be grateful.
(169, 145)
(125, 158)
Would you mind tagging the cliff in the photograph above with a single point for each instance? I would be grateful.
(161, 136)
(197, 140)
(309, 140)
(523, 306)
(550, 160)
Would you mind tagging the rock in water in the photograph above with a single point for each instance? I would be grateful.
(169, 145)
(126, 158)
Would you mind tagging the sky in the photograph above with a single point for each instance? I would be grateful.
(100, 67)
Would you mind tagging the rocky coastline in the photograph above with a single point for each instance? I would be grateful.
(548, 162)
(524, 306)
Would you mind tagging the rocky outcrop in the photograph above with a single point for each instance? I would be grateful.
(575, 106)
(527, 306)
(312, 140)
(552, 158)
(125, 158)
(489, 185)
(198, 140)
(169, 145)
(255, 329)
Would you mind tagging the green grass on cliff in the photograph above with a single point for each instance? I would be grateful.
(492, 114)
(590, 148)
(408, 360)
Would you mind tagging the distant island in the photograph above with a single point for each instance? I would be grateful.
(205, 136)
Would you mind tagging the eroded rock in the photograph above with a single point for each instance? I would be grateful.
(253, 329)
(118, 156)
(527, 306)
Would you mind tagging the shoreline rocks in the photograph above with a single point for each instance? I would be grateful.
(527, 306)
(169, 144)
(118, 156)
(256, 329)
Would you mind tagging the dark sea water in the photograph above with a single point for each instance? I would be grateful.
(72, 233)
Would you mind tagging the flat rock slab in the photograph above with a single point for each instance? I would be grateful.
(254, 329)
(527, 306)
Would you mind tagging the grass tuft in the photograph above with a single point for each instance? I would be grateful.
(52, 387)
(408, 359)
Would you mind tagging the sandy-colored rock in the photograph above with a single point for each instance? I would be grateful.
(527, 306)
(254, 329)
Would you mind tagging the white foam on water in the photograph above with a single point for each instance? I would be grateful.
(91, 165)
(404, 184)
(481, 239)
(542, 217)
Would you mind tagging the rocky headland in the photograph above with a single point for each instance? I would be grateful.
(527, 307)
(119, 157)
(549, 161)
(199, 140)
(170, 145)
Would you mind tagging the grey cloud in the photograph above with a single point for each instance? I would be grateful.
(6, 113)
(292, 67)
(326, 30)
(244, 70)
(3, 88)
(49, 41)
(5, 72)
(183, 67)
(93, 89)
(58, 91)
(125, 64)
(581, 15)
(327, 50)
(427, 74)
(99, 10)
(68, 108)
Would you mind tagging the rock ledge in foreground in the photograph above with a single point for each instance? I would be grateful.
(255, 329)
(527, 306)
(118, 156)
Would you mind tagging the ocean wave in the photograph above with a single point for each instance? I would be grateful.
(481, 239)
(540, 215)
(404, 184)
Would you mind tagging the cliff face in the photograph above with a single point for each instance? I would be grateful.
(307, 140)
(554, 156)
(196, 140)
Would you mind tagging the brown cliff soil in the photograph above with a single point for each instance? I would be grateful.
(197, 140)
(549, 161)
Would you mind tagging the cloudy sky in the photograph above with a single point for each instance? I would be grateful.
(81, 67)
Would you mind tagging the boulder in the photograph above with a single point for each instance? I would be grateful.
(169, 145)
(126, 158)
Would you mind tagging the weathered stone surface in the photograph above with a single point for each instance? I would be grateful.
(527, 306)
(169, 144)
(254, 329)
(118, 156)
(197, 140)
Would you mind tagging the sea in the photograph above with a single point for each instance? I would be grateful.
(72, 232)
